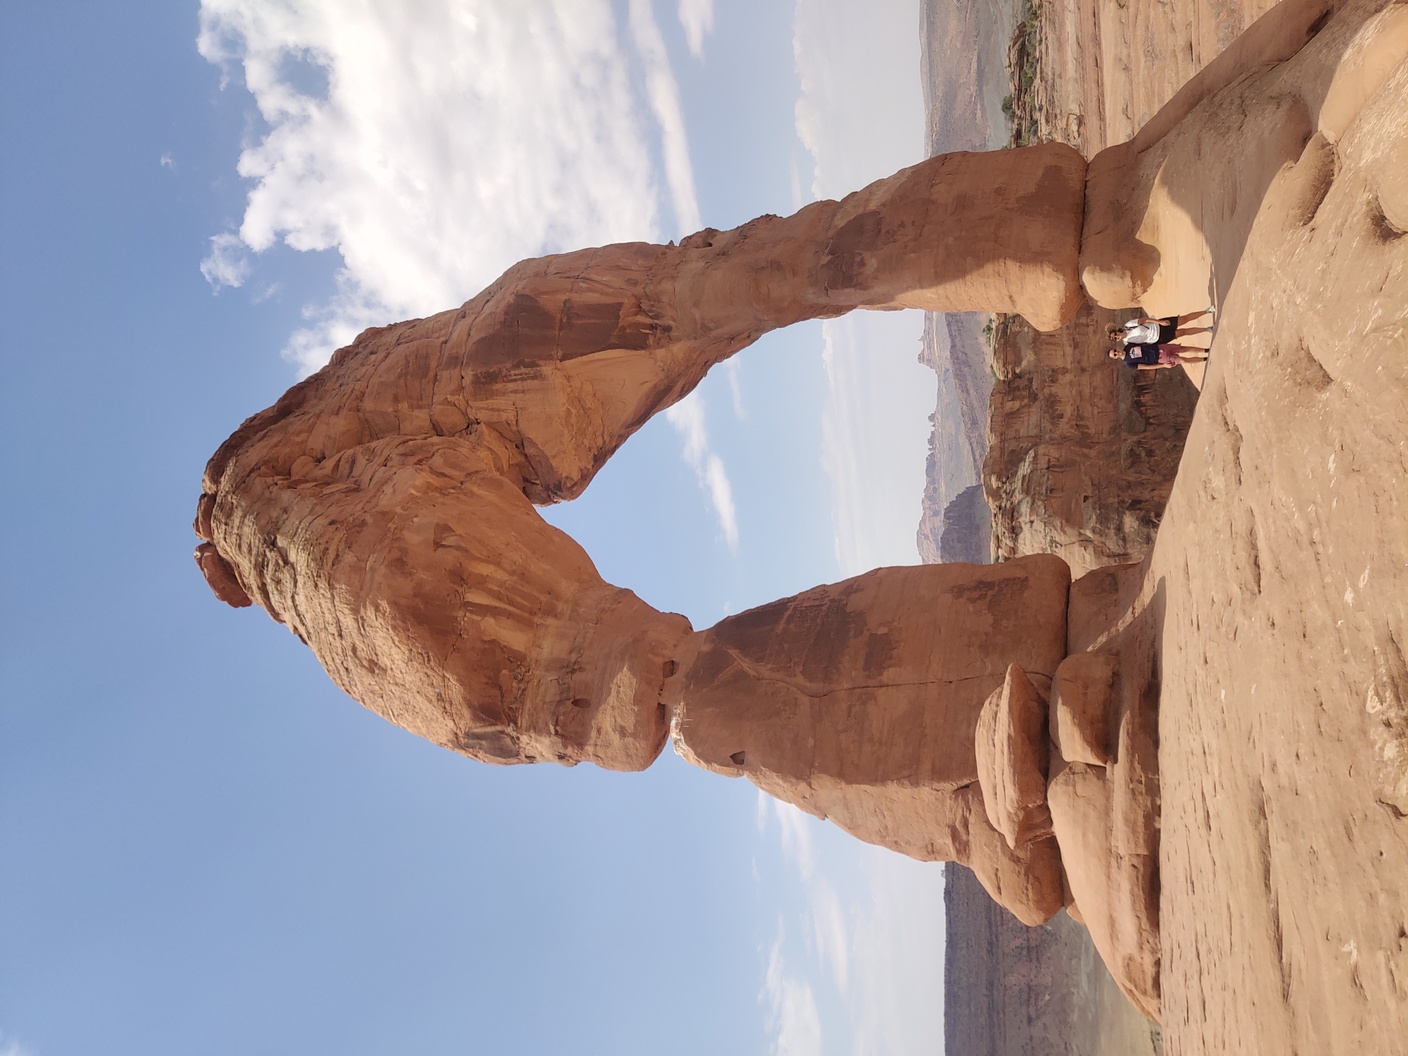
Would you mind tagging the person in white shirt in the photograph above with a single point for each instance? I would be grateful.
(1146, 331)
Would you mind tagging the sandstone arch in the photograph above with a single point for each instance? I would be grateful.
(383, 510)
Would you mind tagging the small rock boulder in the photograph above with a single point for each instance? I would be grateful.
(1082, 697)
(1012, 751)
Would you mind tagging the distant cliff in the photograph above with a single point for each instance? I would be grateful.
(1011, 990)
(967, 528)
(955, 348)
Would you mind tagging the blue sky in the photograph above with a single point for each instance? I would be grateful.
(206, 847)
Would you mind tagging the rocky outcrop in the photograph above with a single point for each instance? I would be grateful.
(967, 534)
(383, 510)
(1082, 452)
(1013, 756)
(1273, 574)
(1084, 457)
(1281, 567)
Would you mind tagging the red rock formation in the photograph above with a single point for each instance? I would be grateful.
(1013, 752)
(861, 707)
(382, 508)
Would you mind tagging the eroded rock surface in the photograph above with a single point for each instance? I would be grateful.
(383, 510)
(1082, 453)
(861, 707)
(1282, 555)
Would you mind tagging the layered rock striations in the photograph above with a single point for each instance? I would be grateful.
(856, 705)
(383, 510)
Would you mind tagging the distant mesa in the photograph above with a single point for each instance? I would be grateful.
(967, 534)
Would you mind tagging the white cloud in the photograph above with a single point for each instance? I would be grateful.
(697, 18)
(227, 263)
(664, 95)
(860, 110)
(791, 1008)
(761, 809)
(897, 960)
(687, 417)
(12, 1048)
(432, 145)
(166, 161)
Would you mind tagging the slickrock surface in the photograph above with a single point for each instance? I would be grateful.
(1107, 69)
(1280, 563)
(1283, 911)
(1284, 717)
(1083, 451)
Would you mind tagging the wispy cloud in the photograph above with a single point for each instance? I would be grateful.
(697, 18)
(735, 388)
(433, 145)
(792, 1017)
(831, 934)
(10, 1047)
(664, 94)
(687, 417)
(897, 959)
(859, 110)
(227, 263)
(796, 835)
